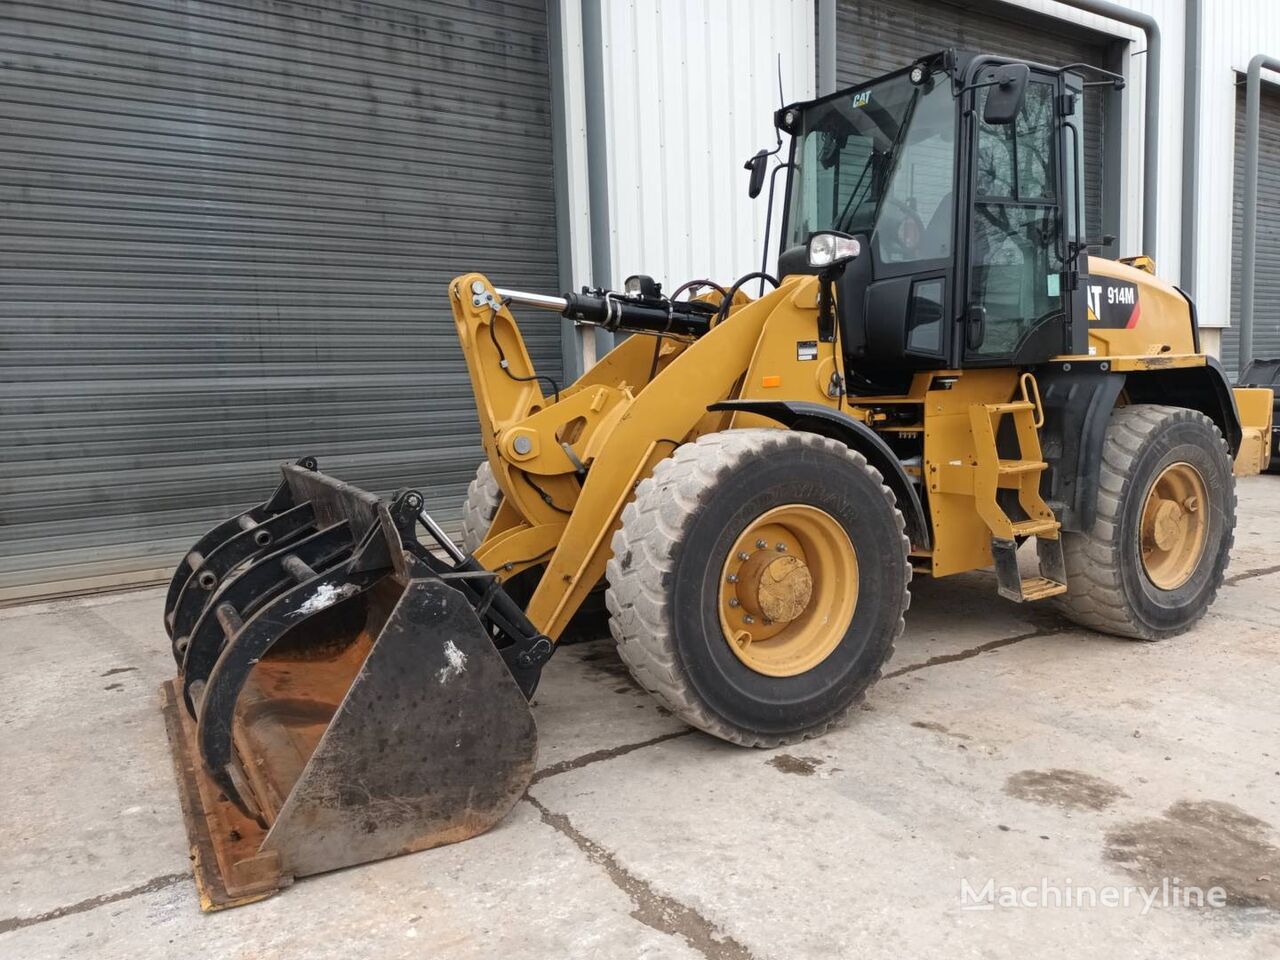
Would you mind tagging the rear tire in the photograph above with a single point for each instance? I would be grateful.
(1110, 588)
(665, 593)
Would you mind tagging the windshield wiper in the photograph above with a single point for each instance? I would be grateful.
(839, 221)
(890, 154)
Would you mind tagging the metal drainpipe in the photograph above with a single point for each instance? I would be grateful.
(1151, 145)
(597, 157)
(1190, 145)
(1249, 256)
(826, 47)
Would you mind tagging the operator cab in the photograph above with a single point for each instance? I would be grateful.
(954, 190)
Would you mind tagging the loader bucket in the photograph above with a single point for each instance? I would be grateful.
(343, 695)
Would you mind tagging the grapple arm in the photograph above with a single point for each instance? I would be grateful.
(344, 693)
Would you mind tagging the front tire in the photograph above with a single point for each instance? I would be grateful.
(484, 496)
(1158, 550)
(694, 524)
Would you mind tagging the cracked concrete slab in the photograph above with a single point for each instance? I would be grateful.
(1002, 745)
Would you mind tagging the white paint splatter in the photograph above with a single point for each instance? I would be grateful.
(457, 662)
(326, 595)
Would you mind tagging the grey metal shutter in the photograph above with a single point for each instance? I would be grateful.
(1266, 294)
(877, 36)
(226, 230)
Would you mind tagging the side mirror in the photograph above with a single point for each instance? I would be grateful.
(759, 166)
(1005, 94)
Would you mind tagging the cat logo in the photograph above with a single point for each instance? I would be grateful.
(861, 99)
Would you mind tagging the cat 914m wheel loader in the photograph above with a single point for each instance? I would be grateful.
(940, 373)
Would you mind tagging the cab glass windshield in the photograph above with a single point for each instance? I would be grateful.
(880, 161)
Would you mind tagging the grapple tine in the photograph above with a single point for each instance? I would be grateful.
(269, 534)
(252, 589)
(280, 500)
(195, 558)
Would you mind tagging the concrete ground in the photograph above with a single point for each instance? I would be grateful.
(1002, 745)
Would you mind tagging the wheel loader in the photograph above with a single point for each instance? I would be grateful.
(937, 376)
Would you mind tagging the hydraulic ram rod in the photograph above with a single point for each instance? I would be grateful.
(618, 312)
(541, 301)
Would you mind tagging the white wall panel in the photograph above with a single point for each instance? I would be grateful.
(690, 90)
(1234, 31)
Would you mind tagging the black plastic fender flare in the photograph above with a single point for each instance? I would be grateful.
(815, 418)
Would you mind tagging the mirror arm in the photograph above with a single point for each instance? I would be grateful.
(768, 220)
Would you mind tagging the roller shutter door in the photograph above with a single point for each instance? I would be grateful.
(877, 36)
(1266, 291)
(227, 229)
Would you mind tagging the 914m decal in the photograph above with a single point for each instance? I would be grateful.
(1113, 305)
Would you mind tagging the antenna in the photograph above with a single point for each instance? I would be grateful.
(782, 99)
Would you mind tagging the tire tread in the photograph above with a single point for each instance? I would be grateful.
(649, 538)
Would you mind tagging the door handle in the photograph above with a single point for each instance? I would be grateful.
(975, 326)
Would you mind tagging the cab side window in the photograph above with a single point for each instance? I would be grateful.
(1015, 244)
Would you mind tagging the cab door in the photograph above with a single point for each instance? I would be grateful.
(1017, 306)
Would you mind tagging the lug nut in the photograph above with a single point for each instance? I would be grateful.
(748, 619)
(761, 544)
(743, 555)
(782, 548)
(733, 578)
(767, 622)
(733, 601)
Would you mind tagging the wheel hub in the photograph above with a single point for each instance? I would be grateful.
(774, 587)
(788, 590)
(1173, 529)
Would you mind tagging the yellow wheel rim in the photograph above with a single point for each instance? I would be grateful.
(1175, 521)
(788, 590)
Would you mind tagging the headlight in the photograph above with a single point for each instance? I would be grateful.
(830, 248)
(917, 74)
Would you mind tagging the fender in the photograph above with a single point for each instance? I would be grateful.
(1077, 404)
(815, 418)
(1199, 388)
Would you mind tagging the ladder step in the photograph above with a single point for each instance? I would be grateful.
(1037, 588)
(1008, 467)
(1033, 528)
(1012, 407)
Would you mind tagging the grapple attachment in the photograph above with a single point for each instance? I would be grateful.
(343, 695)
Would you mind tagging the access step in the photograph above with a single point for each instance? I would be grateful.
(1007, 468)
(1038, 588)
(1009, 580)
(1034, 528)
(1013, 406)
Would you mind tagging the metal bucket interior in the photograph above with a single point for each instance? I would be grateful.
(292, 693)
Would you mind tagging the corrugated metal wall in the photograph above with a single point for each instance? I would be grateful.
(225, 234)
(1266, 302)
(876, 37)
